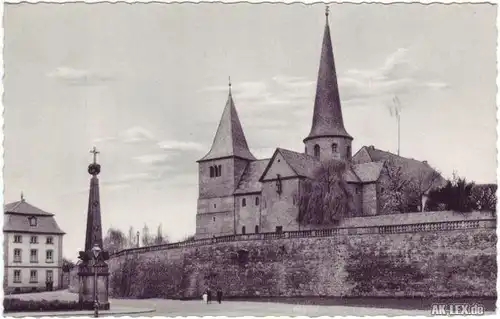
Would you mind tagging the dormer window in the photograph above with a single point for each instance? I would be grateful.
(32, 221)
(334, 147)
(316, 150)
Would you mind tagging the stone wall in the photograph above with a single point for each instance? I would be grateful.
(449, 258)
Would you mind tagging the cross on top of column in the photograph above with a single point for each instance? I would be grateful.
(94, 151)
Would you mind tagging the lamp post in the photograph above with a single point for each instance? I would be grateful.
(96, 251)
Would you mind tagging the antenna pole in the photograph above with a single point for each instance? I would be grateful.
(399, 132)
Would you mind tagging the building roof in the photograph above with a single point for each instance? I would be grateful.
(368, 172)
(411, 168)
(17, 215)
(249, 181)
(24, 208)
(327, 117)
(229, 139)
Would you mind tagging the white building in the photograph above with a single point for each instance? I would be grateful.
(33, 245)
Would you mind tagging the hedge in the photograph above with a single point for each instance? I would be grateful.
(18, 305)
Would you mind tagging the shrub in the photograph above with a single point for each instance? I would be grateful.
(17, 305)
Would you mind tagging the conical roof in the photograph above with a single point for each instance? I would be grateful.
(327, 117)
(229, 140)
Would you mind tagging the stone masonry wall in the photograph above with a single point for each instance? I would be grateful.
(413, 261)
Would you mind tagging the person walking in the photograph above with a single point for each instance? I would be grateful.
(209, 296)
(219, 295)
(205, 297)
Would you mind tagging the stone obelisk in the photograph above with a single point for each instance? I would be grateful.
(93, 272)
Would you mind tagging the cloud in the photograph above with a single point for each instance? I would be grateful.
(136, 134)
(397, 76)
(78, 77)
(180, 145)
(153, 159)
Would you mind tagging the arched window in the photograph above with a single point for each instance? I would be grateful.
(243, 230)
(334, 147)
(256, 229)
(219, 169)
(244, 202)
(212, 171)
(316, 150)
(256, 201)
(348, 152)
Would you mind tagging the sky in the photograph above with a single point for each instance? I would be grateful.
(147, 83)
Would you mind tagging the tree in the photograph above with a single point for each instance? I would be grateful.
(67, 265)
(325, 197)
(146, 238)
(160, 238)
(484, 197)
(131, 238)
(114, 240)
(455, 195)
(401, 194)
(426, 180)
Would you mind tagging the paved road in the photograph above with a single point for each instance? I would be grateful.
(164, 307)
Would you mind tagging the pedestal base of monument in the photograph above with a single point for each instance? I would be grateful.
(88, 279)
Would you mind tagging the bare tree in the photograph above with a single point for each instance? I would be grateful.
(325, 197)
(114, 240)
(400, 193)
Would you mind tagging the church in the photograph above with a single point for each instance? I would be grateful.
(240, 194)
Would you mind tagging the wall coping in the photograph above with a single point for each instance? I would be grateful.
(471, 223)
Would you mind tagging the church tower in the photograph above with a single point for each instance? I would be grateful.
(328, 138)
(219, 173)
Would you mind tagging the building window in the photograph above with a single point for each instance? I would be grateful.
(278, 184)
(244, 202)
(219, 169)
(381, 189)
(212, 171)
(49, 256)
(32, 221)
(279, 229)
(334, 147)
(33, 256)
(316, 150)
(256, 201)
(33, 276)
(17, 275)
(50, 240)
(348, 152)
(18, 238)
(17, 255)
(243, 230)
(256, 229)
(357, 190)
(33, 240)
(49, 276)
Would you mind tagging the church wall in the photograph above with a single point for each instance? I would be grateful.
(214, 224)
(280, 209)
(370, 202)
(279, 166)
(223, 185)
(248, 215)
(324, 266)
(325, 144)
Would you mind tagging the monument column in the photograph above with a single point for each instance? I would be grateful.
(91, 267)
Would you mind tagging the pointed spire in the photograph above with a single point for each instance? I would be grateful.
(327, 118)
(22, 196)
(93, 235)
(229, 139)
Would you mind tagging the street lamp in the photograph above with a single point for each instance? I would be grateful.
(96, 251)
